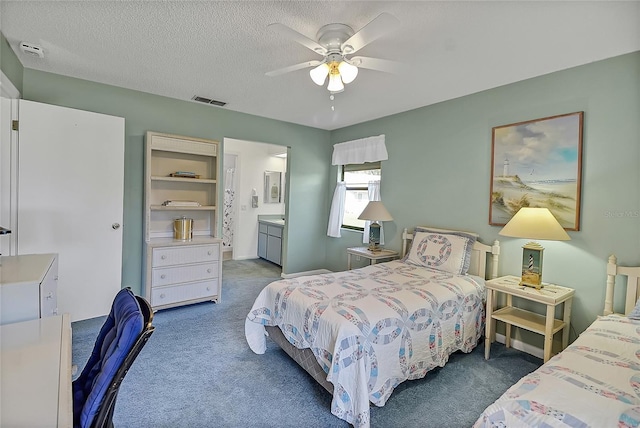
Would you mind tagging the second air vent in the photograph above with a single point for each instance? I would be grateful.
(208, 101)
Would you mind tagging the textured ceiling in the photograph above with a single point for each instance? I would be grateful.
(222, 49)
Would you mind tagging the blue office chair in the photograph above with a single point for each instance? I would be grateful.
(122, 336)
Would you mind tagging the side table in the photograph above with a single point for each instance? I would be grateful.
(373, 256)
(550, 295)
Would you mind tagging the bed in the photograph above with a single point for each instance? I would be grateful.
(595, 382)
(362, 332)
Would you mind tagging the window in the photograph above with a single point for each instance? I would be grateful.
(356, 178)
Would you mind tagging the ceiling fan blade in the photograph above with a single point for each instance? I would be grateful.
(303, 40)
(381, 25)
(376, 64)
(293, 68)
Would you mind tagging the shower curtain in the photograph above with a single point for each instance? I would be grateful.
(228, 209)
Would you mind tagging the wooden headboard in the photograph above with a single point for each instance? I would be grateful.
(632, 275)
(478, 253)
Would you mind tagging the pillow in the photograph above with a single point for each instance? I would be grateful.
(448, 251)
(635, 313)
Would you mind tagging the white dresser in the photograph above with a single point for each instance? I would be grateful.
(181, 273)
(28, 287)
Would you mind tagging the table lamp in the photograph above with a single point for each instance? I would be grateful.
(375, 212)
(534, 223)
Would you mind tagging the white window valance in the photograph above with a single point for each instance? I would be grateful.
(370, 149)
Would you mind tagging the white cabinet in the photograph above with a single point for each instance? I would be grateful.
(181, 180)
(181, 273)
(270, 241)
(28, 287)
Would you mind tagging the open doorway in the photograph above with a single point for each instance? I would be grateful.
(246, 166)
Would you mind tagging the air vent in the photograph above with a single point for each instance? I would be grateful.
(208, 101)
(31, 49)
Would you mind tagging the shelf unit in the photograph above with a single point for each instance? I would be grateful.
(170, 264)
(167, 154)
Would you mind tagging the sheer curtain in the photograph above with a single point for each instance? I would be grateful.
(369, 149)
(374, 195)
(337, 210)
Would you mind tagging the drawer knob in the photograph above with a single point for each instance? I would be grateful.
(162, 296)
(49, 296)
(208, 270)
(209, 252)
(163, 257)
(208, 288)
(163, 276)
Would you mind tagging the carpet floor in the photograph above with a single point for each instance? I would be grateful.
(198, 371)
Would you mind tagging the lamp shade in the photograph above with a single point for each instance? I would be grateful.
(335, 83)
(375, 211)
(535, 223)
(348, 72)
(319, 74)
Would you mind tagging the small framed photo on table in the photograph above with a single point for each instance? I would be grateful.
(532, 265)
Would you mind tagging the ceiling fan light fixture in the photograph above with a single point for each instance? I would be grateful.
(348, 72)
(319, 74)
(335, 83)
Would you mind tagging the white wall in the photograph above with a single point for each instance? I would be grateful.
(253, 160)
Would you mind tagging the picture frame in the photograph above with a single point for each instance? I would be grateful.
(537, 163)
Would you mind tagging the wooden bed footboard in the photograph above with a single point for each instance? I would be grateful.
(632, 279)
(479, 254)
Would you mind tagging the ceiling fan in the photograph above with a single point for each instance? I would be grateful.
(336, 43)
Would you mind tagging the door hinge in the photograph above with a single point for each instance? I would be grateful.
(14, 125)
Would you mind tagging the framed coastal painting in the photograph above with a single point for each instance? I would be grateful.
(537, 163)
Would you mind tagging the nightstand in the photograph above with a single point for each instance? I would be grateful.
(550, 295)
(373, 257)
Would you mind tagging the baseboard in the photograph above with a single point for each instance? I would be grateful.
(245, 258)
(521, 346)
(309, 272)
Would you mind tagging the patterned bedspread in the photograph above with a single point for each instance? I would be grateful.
(372, 328)
(595, 382)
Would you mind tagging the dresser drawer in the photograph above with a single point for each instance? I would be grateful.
(275, 231)
(185, 273)
(49, 293)
(169, 256)
(180, 293)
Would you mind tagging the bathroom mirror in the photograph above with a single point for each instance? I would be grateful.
(272, 184)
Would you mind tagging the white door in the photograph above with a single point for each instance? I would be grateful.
(8, 141)
(70, 201)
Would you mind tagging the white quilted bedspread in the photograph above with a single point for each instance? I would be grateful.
(595, 382)
(372, 328)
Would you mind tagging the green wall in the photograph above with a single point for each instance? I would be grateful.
(438, 172)
(9, 63)
(439, 169)
(308, 168)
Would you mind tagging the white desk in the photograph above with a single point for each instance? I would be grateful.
(35, 373)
